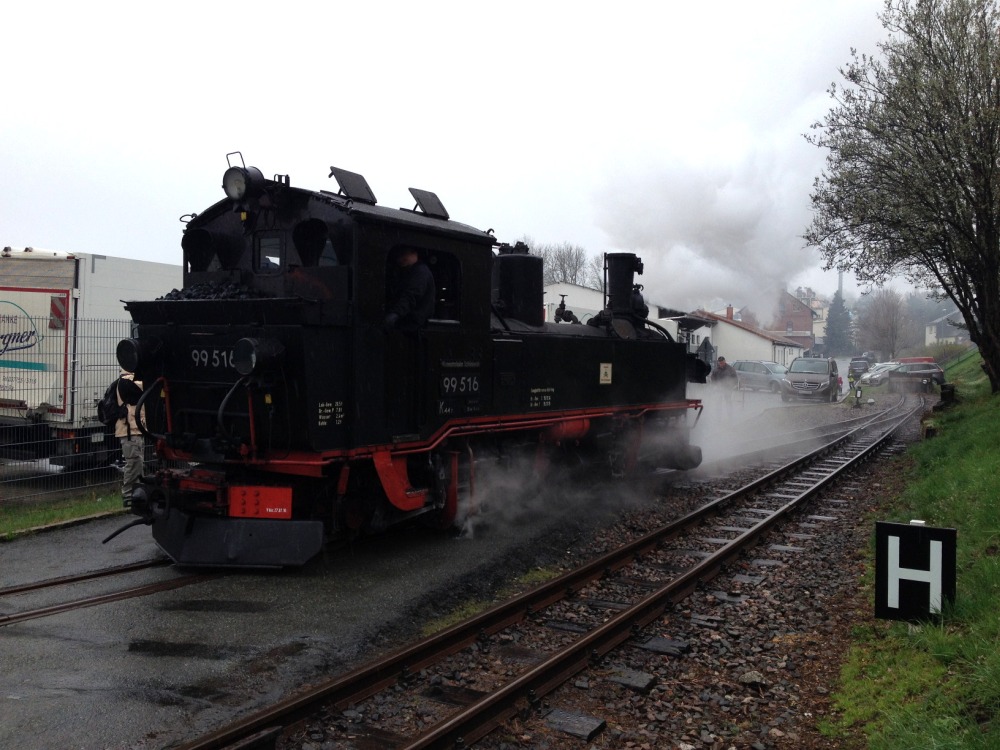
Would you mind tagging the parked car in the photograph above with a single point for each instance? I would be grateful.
(759, 374)
(858, 367)
(915, 373)
(808, 377)
(877, 375)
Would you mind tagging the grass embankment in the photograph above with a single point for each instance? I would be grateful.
(937, 685)
(22, 519)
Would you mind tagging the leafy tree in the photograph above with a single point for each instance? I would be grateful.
(838, 327)
(912, 177)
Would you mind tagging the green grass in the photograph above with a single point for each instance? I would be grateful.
(938, 685)
(16, 520)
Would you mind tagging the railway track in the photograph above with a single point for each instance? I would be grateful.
(424, 696)
(69, 581)
(23, 588)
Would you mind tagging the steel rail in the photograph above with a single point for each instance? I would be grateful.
(80, 577)
(92, 601)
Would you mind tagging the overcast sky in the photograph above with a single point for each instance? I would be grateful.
(672, 132)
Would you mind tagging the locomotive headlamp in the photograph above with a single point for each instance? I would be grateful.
(134, 354)
(240, 181)
(255, 355)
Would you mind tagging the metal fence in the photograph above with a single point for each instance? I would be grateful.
(53, 370)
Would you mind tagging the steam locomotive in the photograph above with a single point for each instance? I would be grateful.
(284, 413)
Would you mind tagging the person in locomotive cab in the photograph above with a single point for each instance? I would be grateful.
(127, 430)
(410, 292)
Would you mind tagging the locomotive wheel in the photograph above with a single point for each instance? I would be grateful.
(354, 515)
(453, 485)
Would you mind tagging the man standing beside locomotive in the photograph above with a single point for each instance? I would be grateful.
(127, 430)
(728, 381)
(725, 375)
(410, 297)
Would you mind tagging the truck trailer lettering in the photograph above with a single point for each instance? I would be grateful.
(17, 340)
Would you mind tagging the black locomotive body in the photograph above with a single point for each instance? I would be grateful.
(284, 412)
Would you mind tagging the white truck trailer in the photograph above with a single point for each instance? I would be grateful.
(61, 318)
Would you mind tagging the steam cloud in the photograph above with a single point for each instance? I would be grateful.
(710, 236)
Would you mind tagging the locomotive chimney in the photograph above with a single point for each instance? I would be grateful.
(620, 269)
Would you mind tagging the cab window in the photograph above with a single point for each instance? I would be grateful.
(269, 253)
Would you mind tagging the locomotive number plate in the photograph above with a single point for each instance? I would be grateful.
(211, 357)
(459, 393)
(459, 385)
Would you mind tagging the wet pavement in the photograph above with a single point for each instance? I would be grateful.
(151, 671)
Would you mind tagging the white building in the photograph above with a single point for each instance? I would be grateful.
(722, 335)
(944, 331)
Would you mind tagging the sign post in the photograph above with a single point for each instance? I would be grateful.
(914, 570)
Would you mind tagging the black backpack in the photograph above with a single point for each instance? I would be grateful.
(109, 411)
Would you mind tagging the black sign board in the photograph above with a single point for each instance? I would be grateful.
(914, 570)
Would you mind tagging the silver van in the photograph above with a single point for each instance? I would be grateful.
(809, 377)
(759, 374)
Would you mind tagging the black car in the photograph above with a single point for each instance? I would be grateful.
(858, 367)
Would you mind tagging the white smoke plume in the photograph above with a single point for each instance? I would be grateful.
(729, 233)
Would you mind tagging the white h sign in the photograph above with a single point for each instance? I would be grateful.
(914, 570)
(932, 576)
